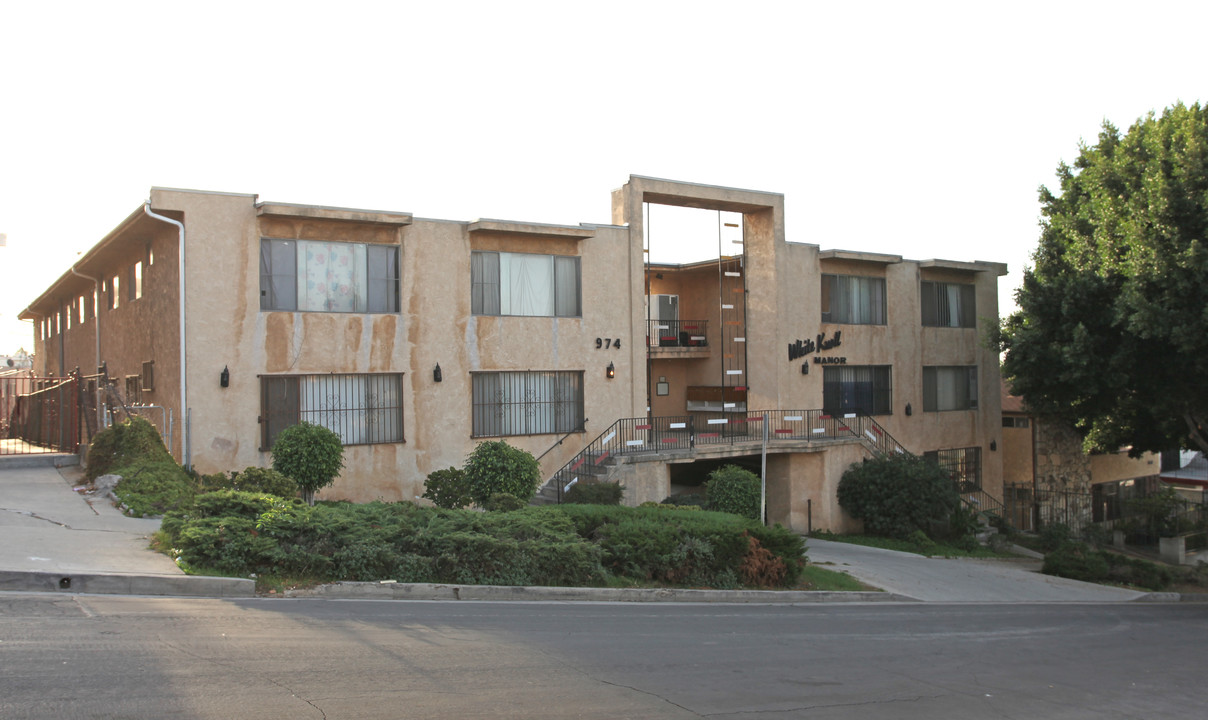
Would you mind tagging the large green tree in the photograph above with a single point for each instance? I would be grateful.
(1111, 334)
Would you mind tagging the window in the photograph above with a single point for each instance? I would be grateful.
(527, 403)
(853, 300)
(148, 376)
(948, 305)
(328, 276)
(949, 388)
(1015, 422)
(113, 293)
(866, 390)
(963, 465)
(524, 284)
(134, 281)
(361, 409)
(134, 392)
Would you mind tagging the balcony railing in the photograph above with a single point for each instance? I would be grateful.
(677, 333)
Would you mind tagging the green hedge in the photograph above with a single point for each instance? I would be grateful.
(569, 545)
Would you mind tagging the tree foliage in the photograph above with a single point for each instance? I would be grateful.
(896, 495)
(310, 454)
(496, 467)
(1111, 335)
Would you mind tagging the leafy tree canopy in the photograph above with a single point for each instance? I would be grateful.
(1112, 329)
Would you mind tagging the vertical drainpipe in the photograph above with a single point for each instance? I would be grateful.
(96, 321)
(186, 423)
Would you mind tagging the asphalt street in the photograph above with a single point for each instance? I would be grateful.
(92, 656)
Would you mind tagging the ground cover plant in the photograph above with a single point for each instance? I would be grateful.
(1079, 561)
(241, 533)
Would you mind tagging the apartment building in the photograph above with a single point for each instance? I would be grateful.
(414, 339)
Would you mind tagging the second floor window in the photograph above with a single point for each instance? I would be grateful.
(949, 388)
(315, 276)
(863, 389)
(948, 305)
(524, 284)
(853, 299)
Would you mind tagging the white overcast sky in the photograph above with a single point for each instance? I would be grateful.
(915, 128)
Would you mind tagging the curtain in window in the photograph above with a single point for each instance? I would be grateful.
(484, 283)
(528, 284)
(278, 276)
(852, 299)
(949, 388)
(566, 285)
(333, 277)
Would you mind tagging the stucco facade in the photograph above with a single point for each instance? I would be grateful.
(751, 306)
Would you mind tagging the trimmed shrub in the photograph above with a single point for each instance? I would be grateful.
(503, 502)
(733, 489)
(310, 454)
(597, 493)
(448, 489)
(134, 441)
(1077, 562)
(253, 480)
(496, 467)
(687, 499)
(896, 495)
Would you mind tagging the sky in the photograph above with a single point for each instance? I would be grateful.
(921, 129)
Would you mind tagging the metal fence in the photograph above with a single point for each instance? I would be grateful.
(41, 415)
(677, 333)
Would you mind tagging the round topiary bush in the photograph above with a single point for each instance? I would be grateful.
(733, 489)
(448, 489)
(496, 467)
(310, 454)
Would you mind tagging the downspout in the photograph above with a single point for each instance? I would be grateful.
(96, 320)
(186, 423)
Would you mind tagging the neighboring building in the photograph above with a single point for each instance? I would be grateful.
(1048, 478)
(414, 339)
(19, 360)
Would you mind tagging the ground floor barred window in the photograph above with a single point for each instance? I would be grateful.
(963, 465)
(361, 409)
(527, 403)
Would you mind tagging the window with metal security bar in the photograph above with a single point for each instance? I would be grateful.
(361, 409)
(853, 299)
(949, 305)
(949, 388)
(524, 284)
(312, 276)
(527, 403)
(862, 389)
(134, 390)
(963, 465)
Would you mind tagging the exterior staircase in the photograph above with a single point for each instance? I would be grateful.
(684, 435)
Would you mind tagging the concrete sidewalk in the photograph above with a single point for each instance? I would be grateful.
(60, 539)
(55, 538)
(964, 579)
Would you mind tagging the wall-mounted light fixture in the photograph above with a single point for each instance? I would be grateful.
(224, 378)
(436, 376)
(993, 445)
(610, 372)
(909, 410)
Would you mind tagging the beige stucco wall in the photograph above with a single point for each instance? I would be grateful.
(227, 329)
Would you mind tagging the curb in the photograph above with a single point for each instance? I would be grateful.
(126, 584)
(515, 593)
(34, 460)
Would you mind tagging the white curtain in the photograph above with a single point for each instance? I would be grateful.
(331, 277)
(528, 284)
(954, 305)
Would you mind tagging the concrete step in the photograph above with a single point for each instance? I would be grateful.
(12, 462)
